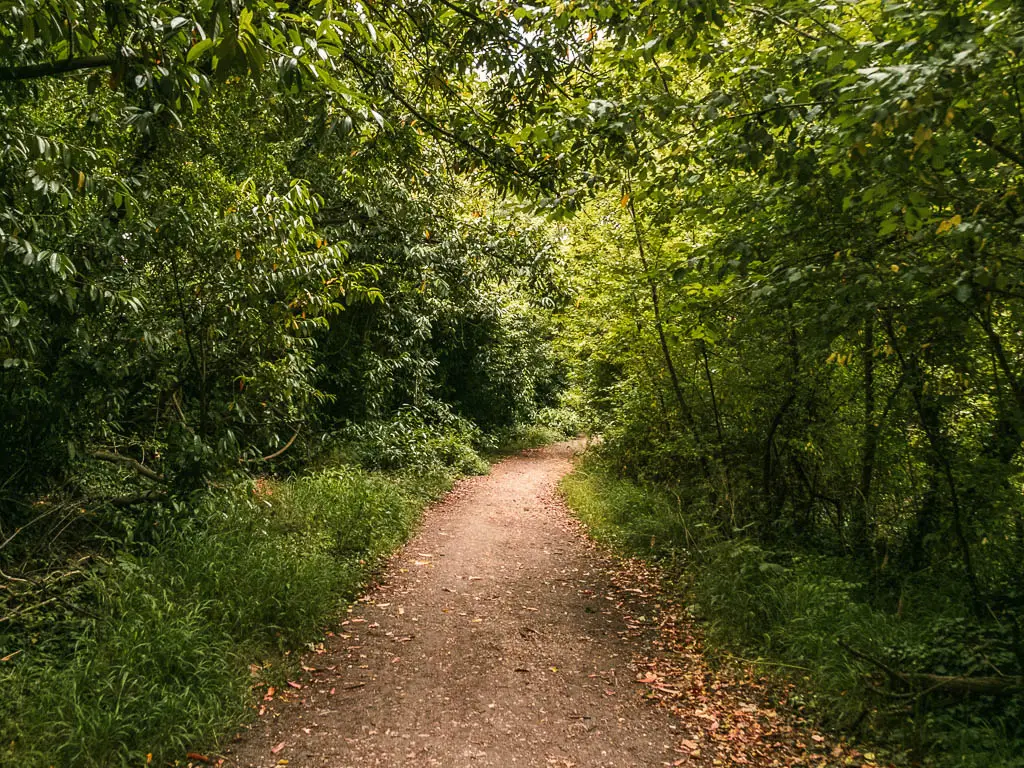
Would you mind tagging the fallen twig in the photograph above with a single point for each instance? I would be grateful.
(954, 684)
(138, 466)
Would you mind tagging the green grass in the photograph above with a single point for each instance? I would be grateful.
(154, 656)
(143, 653)
(523, 438)
(789, 609)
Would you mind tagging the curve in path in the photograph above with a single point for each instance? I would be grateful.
(496, 638)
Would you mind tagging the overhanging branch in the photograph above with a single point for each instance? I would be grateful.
(52, 68)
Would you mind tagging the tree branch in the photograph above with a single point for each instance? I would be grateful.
(116, 458)
(439, 129)
(1002, 149)
(51, 68)
(961, 685)
(287, 445)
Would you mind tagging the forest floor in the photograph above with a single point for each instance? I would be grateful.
(502, 636)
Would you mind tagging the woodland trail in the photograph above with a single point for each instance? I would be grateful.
(500, 636)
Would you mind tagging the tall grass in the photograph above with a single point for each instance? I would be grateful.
(789, 610)
(159, 638)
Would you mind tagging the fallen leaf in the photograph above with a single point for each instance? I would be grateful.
(197, 756)
(293, 684)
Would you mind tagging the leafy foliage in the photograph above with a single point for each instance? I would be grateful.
(781, 266)
(236, 240)
(796, 244)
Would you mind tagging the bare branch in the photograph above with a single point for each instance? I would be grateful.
(116, 458)
(287, 445)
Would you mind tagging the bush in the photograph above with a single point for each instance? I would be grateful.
(551, 425)
(435, 440)
(565, 422)
(793, 609)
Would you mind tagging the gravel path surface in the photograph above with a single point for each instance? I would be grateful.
(496, 637)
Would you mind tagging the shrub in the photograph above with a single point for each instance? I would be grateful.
(434, 440)
(565, 422)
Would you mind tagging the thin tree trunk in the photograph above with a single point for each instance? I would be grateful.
(930, 420)
(677, 390)
(869, 448)
(711, 387)
(1000, 354)
(684, 406)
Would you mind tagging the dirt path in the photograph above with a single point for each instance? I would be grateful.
(500, 636)
(495, 639)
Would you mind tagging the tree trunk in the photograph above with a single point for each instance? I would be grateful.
(684, 407)
(930, 419)
(861, 518)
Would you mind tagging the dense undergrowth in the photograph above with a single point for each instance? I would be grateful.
(143, 652)
(794, 611)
